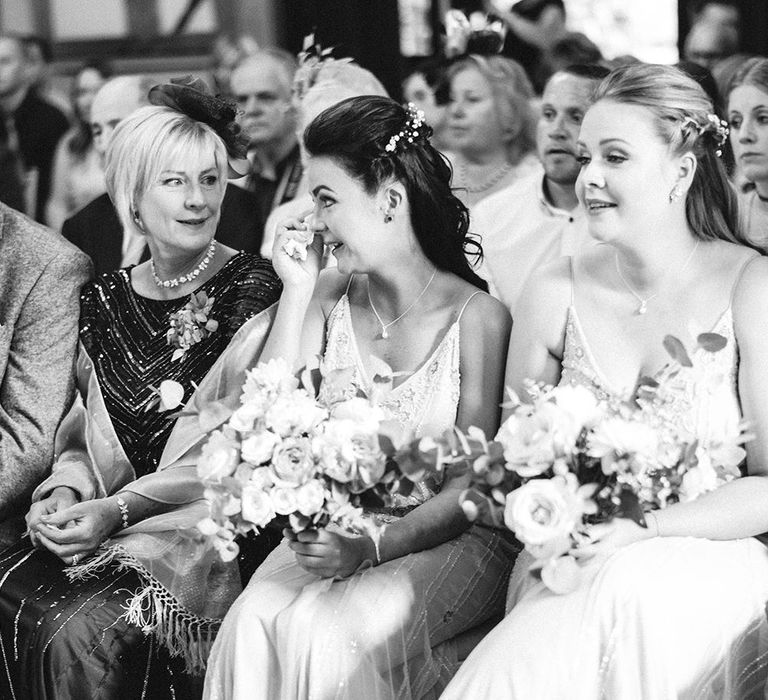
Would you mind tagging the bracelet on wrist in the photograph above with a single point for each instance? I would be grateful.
(123, 508)
(376, 541)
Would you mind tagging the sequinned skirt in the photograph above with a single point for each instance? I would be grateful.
(392, 631)
(62, 639)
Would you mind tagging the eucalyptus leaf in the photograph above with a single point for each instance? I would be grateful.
(677, 350)
(711, 342)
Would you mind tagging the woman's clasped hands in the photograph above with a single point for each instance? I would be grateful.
(330, 554)
(72, 530)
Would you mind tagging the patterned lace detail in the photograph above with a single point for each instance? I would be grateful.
(426, 401)
(688, 407)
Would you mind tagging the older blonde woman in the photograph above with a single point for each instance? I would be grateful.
(491, 127)
(166, 173)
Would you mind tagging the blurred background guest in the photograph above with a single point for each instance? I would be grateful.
(261, 85)
(78, 176)
(30, 127)
(709, 42)
(748, 120)
(491, 125)
(333, 82)
(96, 228)
(426, 86)
(538, 218)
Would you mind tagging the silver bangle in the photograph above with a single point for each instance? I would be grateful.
(652, 516)
(123, 507)
(378, 551)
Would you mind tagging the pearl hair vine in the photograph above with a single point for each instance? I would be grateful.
(713, 125)
(414, 128)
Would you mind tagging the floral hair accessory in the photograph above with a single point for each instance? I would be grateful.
(714, 125)
(312, 59)
(477, 34)
(414, 131)
(191, 96)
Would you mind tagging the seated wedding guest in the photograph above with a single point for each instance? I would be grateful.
(68, 637)
(748, 120)
(316, 89)
(491, 126)
(708, 42)
(261, 84)
(30, 127)
(78, 175)
(426, 86)
(40, 281)
(337, 616)
(538, 218)
(97, 230)
(675, 609)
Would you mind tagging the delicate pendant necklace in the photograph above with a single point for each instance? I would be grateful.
(643, 301)
(176, 281)
(495, 178)
(384, 326)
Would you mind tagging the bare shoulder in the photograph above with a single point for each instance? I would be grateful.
(750, 297)
(331, 284)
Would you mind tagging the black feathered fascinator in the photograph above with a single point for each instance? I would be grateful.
(191, 96)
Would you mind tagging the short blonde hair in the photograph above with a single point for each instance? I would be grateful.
(512, 95)
(141, 147)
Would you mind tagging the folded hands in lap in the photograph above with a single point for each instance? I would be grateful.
(69, 529)
(328, 554)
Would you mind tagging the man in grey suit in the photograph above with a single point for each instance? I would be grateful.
(40, 279)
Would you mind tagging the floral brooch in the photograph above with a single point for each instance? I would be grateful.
(191, 324)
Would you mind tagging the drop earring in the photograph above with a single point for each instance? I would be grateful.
(676, 193)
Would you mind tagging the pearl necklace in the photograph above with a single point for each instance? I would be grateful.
(644, 300)
(384, 326)
(176, 281)
(496, 177)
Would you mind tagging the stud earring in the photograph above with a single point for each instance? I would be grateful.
(676, 193)
(387, 218)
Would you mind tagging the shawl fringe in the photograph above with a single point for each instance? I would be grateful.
(154, 609)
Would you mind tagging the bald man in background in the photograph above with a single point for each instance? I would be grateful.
(96, 229)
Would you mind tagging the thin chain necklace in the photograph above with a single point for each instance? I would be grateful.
(643, 301)
(384, 326)
(176, 281)
(495, 178)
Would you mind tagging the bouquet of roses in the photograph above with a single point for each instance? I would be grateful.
(287, 453)
(565, 460)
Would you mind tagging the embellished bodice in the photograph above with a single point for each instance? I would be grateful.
(125, 337)
(703, 408)
(426, 402)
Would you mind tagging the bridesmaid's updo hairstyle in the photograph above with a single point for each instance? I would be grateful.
(684, 120)
(358, 134)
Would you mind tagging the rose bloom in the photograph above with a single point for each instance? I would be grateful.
(219, 458)
(262, 478)
(258, 449)
(310, 498)
(529, 440)
(283, 499)
(296, 412)
(579, 407)
(292, 462)
(543, 510)
(350, 455)
(257, 506)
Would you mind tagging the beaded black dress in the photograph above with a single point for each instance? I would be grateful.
(62, 639)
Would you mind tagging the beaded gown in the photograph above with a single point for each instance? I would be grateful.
(391, 631)
(62, 639)
(662, 619)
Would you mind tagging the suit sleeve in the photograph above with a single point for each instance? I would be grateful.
(37, 387)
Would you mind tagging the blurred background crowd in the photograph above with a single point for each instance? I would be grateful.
(56, 56)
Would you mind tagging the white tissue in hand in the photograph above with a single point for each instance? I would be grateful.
(296, 246)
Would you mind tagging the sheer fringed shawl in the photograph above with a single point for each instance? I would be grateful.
(186, 588)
